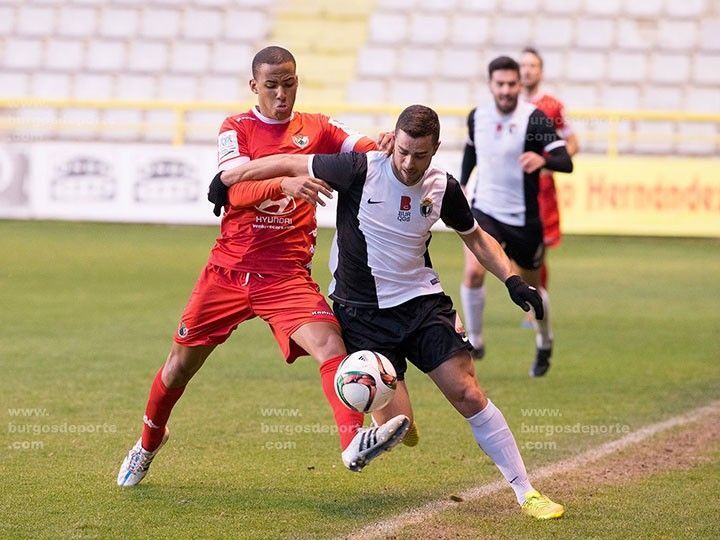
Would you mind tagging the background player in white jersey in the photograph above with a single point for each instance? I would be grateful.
(386, 294)
(509, 142)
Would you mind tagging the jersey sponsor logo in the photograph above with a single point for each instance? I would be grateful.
(227, 145)
(370, 201)
(301, 141)
(277, 207)
(405, 206)
(426, 207)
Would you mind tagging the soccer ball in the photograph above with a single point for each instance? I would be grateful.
(365, 381)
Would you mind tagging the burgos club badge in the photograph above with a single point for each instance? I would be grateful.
(426, 207)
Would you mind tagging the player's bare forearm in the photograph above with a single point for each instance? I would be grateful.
(571, 143)
(266, 168)
(489, 253)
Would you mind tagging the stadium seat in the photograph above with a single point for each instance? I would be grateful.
(417, 62)
(136, 87)
(553, 65)
(700, 139)
(189, 57)
(470, 30)
(201, 23)
(710, 35)
(623, 97)
(669, 68)
(579, 96)
(223, 89)
(368, 91)
(627, 67)
(93, 86)
(35, 21)
(245, 25)
(50, 85)
(512, 31)
(387, 28)
(653, 137)
(392, 5)
(646, 8)
(562, 6)
(177, 88)
(147, 56)
(22, 53)
(121, 125)
(662, 98)
(105, 55)
(453, 93)
(636, 34)
(677, 35)
(160, 23)
(14, 85)
(119, 22)
(520, 7)
(552, 32)
(685, 8)
(406, 92)
(706, 68)
(159, 123)
(202, 126)
(606, 7)
(428, 29)
(460, 63)
(585, 66)
(77, 22)
(702, 100)
(64, 54)
(595, 33)
(231, 58)
(376, 62)
(80, 123)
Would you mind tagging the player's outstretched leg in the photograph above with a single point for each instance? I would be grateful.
(136, 464)
(370, 442)
(456, 379)
(400, 404)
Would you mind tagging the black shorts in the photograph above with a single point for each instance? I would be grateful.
(524, 245)
(421, 330)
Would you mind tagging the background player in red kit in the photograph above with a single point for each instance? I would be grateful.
(531, 75)
(260, 266)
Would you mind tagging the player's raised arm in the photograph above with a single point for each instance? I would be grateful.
(266, 168)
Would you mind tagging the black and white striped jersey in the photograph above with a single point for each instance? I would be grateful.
(502, 189)
(380, 252)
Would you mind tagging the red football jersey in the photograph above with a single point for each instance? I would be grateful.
(555, 111)
(278, 235)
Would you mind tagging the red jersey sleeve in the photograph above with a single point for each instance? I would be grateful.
(253, 192)
(232, 145)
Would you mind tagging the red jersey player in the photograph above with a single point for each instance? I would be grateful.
(531, 74)
(260, 266)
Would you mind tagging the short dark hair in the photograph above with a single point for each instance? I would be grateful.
(419, 121)
(533, 51)
(272, 55)
(502, 63)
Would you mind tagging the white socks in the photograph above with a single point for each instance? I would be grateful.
(495, 438)
(473, 304)
(543, 332)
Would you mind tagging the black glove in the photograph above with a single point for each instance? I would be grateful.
(525, 296)
(218, 194)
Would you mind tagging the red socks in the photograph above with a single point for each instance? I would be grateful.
(161, 401)
(347, 420)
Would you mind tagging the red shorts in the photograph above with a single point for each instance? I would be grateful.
(549, 211)
(222, 299)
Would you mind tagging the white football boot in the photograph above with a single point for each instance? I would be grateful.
(137, 462)
(370, 442)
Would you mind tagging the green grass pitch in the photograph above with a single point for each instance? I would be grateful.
(87, 312)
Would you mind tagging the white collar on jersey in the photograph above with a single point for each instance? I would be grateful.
(267, 120)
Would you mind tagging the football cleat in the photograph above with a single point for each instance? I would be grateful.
(412, 437)
(370, 442)
(542, 363)
(136, 464)
(539, 506)
(478, 353)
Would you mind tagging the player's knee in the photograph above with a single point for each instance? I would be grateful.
(180, 367)
(469, 399)
(473, 278)
(327, 343)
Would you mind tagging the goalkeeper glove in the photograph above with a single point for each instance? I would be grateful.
(218, 194)
(525, 296)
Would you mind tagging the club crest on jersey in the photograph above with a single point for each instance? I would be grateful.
(301, 141)
(183, 330)
(277, 207)
(405, 206)
(426, 207)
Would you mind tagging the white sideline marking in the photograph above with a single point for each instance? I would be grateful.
(392, 524)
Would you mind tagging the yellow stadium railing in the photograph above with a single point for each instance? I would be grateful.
(13, 121)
